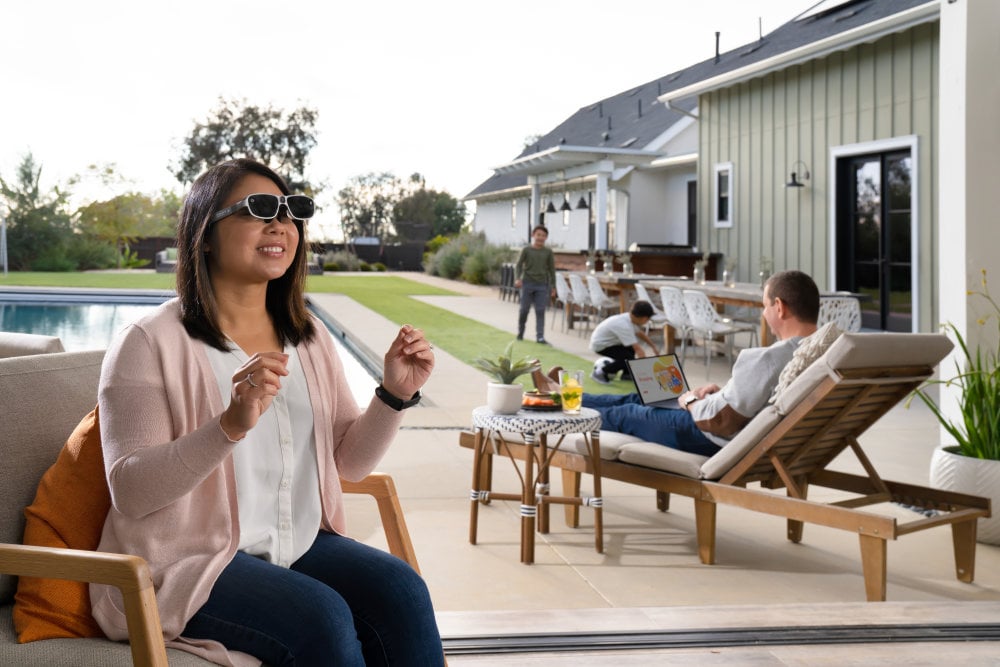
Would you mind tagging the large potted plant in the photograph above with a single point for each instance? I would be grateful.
(973, 464)
(504, 396)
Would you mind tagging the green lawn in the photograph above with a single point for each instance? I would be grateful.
(390, 296)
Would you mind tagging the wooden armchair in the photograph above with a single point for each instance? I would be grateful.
(42, 397)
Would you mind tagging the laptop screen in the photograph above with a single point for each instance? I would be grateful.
(658, 379)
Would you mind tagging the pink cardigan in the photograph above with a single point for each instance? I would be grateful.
(171, 476)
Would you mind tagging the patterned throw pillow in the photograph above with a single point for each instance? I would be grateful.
(809, 350)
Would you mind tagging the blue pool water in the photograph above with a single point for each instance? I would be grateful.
(89, 322)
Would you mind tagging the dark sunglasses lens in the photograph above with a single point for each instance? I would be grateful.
(263, 206)
(300, 207)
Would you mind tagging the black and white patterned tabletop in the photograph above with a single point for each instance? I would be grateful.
(536, 423)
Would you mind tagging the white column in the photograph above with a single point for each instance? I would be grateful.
(968, 234)
(601, 210)
(534, 204)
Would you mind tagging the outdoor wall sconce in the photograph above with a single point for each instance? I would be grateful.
(795, 182)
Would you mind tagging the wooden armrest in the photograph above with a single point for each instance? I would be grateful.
(129, 574)
(381, 487)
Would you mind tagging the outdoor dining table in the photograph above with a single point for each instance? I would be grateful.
(622, 284)
(738, 294)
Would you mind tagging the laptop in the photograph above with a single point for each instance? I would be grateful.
(658, 380)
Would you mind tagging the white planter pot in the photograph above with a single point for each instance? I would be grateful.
(504, 399)
(978, 477)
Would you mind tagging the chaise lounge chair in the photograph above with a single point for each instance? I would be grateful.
(790, 445)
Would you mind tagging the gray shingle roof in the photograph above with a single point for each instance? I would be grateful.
(634, 118)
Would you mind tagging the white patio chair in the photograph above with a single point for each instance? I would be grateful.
(673, 307)
(564, 299)
(659, 319)
(581, 298)
(706, 321)
(845, 311)
(599, 299)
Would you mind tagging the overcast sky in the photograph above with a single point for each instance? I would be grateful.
(447, 88)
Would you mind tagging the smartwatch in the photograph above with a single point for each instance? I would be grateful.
(396, 404)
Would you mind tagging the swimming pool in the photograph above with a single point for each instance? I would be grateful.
(89, 319)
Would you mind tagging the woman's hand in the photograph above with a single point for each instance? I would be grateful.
(255, 384)
(408, 363)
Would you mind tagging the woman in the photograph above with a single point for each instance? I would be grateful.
(227, 423)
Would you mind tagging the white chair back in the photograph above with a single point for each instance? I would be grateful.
(579, 290)
(845, 311)
(707, 321)
(673, 307)
(643, 295)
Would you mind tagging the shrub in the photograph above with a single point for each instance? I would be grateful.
(378, 266)
(454, 259)
(341, 260)
(88, 253)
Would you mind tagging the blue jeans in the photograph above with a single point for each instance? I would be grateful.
(673, 428)
(537, 295)
(342, 603)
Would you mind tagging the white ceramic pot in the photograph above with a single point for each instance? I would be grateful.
(978, 477)
(504, 399)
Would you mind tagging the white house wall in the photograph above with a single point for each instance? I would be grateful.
(658, 206)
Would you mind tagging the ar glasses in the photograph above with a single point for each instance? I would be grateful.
(266, 207)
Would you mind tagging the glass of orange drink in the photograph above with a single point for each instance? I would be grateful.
(571, 391)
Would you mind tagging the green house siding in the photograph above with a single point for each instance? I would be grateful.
(878, 91)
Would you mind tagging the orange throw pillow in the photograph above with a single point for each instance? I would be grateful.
(70, 506)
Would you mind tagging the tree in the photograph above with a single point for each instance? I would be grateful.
(366, 204)
(123, 219)
(281, 140)
(424, 213)
(38, 226)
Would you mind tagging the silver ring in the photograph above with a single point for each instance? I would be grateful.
(250, 380)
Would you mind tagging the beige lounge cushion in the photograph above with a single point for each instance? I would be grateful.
(22, 344)
(661, 457)
(737, 448)
(610, 444)
(866, 350)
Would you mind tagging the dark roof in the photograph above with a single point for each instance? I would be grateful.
(628, 120)
(635, 117)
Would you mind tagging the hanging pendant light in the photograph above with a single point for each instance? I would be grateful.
(582, 204)
(551, 208)
(566, 206)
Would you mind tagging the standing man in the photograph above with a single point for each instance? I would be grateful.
(535, 276)
(617, 337)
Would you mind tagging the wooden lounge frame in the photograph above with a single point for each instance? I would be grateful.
(794, 453)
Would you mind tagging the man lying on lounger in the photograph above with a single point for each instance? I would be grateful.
(710, 416)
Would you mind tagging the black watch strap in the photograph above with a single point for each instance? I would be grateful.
(394, 402)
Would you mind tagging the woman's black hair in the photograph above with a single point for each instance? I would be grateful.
(285, 300)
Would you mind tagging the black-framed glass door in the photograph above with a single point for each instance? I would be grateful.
(873, 240)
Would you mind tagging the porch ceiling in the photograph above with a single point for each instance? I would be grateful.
(562, 158)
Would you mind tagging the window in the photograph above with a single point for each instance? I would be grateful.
(723, 192)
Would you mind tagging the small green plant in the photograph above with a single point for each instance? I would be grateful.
(504, 369)
(977, 431)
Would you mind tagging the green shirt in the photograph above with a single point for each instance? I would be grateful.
(536, 265)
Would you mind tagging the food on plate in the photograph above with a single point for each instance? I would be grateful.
(537, 399)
